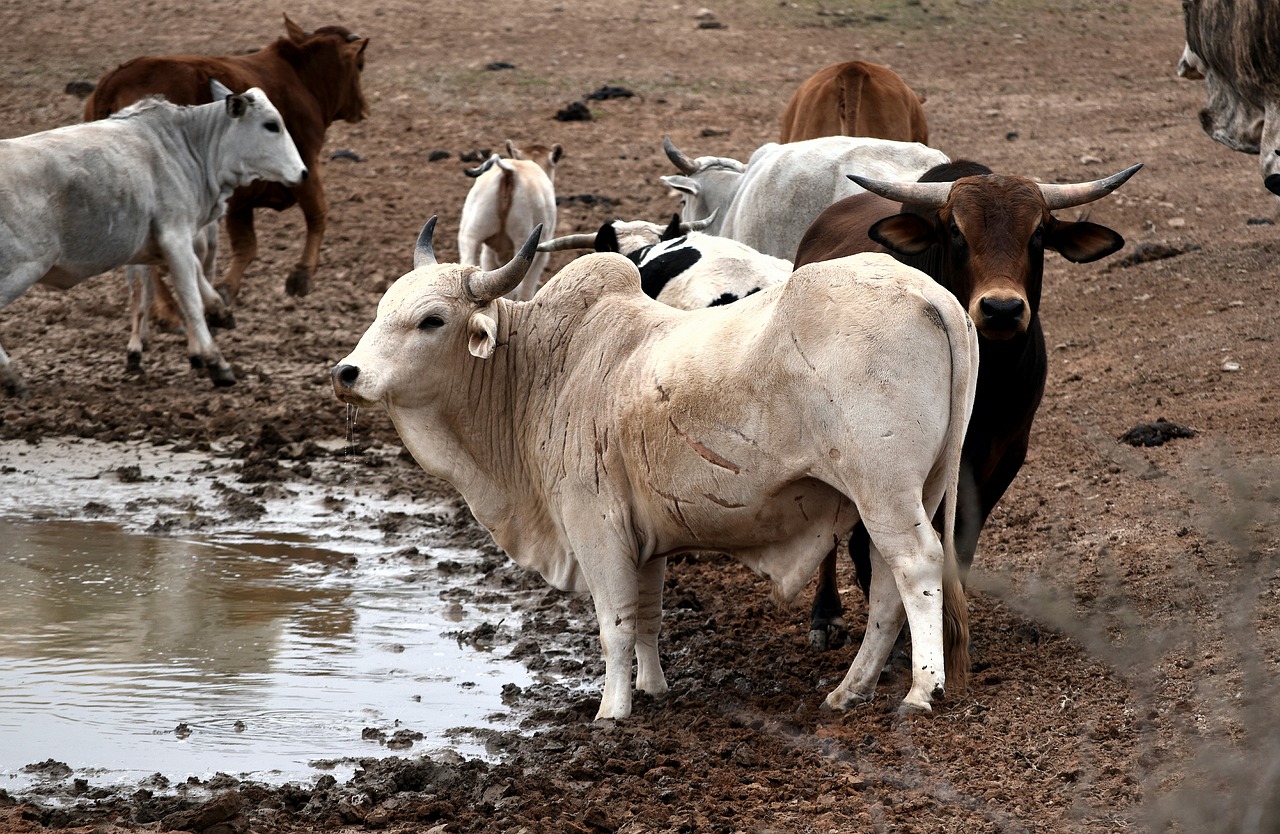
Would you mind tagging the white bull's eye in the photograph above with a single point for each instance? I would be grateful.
(272, 127)
(430, 323)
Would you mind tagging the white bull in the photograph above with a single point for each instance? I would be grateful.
(595, 432)
(770, 202)
(137, 188)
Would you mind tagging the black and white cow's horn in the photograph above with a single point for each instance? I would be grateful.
(483, 287)
(586, 240)
(699, 225)
(423, 254)
(682, 160)
(926, 194)
(1060, 196)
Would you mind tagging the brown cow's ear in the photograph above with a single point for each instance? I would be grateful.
(1081, 242)
(294, 31)
(906, 234)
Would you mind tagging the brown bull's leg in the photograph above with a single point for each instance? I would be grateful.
(164, 309)
(311, 200)
(826, 628)
(244, 248)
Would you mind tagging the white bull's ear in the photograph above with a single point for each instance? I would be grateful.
(484, 333)
(685, 185)
(219, 90)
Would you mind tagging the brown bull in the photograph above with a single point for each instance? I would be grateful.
(314, 79)
(982, 237)
(855, 99)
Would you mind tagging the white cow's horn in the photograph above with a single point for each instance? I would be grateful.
(587, 240)
(683, 161)
(699, 225)
(483, 287)
(423, 254)
(1077, 194)
(926, 194)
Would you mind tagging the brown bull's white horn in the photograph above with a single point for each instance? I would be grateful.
(483, 287)
(1062, 196)
(926, 194)
(683, 161)
(423, 254)
(587, 240)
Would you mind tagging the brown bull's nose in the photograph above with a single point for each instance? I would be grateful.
(1002, 310)
(344, 376)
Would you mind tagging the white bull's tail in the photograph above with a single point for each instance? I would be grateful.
(963, 339)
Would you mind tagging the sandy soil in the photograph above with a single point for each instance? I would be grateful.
(1124, 598)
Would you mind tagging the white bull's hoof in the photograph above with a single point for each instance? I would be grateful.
(842, 699)
(299, 281)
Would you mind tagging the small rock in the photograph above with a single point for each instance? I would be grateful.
(711, 24)
(346, 154)
(437, 155)
(1176, 222)
(499, 65)
(80, 89)
(575, 112)
(1155, 434)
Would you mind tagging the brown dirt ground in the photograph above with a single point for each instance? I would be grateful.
(1124, 600)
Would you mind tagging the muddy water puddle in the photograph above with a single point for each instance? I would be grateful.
(264, 652)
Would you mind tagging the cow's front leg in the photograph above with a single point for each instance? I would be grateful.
(141, 281)
(244, 249)
(315, 212)
(649, 676)
(184, 271)
(608, 564)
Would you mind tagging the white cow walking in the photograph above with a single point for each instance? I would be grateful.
(509, 198)
(595, 432)
(137, 188)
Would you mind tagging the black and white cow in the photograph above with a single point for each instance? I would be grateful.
(680, 265)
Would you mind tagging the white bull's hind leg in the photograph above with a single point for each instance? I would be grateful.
(217, 313)
(885, 616)
(910, 548)
(184, 271)
(649, 676)
(141, 281)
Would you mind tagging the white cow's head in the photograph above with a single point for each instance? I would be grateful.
(707, 185)
(426, 322)
(256, 144)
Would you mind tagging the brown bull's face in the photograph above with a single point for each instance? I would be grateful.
(986, 245)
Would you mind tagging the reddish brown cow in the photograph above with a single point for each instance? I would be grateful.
(314, 80)
(983, 237)
(855, 99)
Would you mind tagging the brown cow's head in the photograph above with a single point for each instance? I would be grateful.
(984, 236)
(337, 54)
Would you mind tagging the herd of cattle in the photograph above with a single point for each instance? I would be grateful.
(845, 339)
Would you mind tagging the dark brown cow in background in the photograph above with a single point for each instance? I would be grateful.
(983, 237)
(314, 80)
(855, 99)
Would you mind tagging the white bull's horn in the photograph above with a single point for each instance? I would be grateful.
(586, 240)
(1060, 196)
(683, 161)
(699, 225)
(484, 287)
(926, 194)
(423, 254)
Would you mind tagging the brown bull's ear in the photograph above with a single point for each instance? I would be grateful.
(906, 234)
(1081, 242)
(294, 31)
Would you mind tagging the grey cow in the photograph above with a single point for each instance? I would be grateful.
(137, 188)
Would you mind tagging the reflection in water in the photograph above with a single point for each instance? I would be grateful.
(110, 640)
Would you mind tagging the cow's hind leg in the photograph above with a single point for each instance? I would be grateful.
(885, 615)
(141, 281)
(827, 616)
(649, 676)
(184, 270)
(909, 547)
(217, 313)
(9, 379)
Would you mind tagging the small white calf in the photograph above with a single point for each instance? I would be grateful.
(510, 197)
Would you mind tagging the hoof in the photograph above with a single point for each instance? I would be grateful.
(838, 700)
(197, 362)
(827, 636)
(15, 388)
(299, 281)
(222, 377)
(908, 708)
(220, 319)
(133, 363)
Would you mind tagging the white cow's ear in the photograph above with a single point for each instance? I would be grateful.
(484, 334)
(685, 185)
(219, 90)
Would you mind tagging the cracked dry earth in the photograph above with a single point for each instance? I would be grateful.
(1124, 598)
